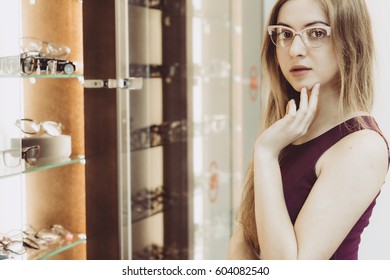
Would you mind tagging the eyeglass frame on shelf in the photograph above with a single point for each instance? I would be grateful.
(148, 200)
(156, 135)
(32, 239)
(24, 153)
(40, 125)
(7, 242)
(32, 62)
(44, 48)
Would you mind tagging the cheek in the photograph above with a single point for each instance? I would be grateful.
(330, 56)
(329, 66)
(281, 59)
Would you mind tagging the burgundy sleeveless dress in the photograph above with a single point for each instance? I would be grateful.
(297, 163)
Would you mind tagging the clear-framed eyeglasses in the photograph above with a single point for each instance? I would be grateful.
(17, 244)
(313, 36)
(12, 157)
(44, 48)
(28, 126)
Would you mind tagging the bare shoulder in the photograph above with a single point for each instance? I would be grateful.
(365, 144)
(362, 151)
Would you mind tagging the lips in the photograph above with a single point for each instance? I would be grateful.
(299, 68)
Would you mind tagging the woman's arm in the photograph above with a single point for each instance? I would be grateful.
(275, 231)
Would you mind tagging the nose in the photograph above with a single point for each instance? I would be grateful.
(298, 47)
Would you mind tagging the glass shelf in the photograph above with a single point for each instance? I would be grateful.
(137, 217)
(42, 164)
(56, 248)
(44, 76)
(47, 163)
(158, 5)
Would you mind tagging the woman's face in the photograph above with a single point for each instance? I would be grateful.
(301, 65)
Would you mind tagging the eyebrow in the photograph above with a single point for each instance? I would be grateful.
(306, 25)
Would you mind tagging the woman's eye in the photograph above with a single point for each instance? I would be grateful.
(317, 33)
(285, 35)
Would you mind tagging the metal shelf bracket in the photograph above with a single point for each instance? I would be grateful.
(129, 83)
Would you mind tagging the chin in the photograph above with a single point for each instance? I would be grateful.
(299, 86)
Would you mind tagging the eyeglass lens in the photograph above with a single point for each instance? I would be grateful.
(11, 157)
(15, 247)
(28, 64)
(31, 154)
(52, 128)
(10, 65)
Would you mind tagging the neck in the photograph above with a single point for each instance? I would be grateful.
(328, 112)
(327, 115)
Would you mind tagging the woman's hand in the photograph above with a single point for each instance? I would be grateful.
(292, 126)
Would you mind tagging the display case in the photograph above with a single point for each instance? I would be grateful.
(150, 204)
(171, 194)
(41, 175)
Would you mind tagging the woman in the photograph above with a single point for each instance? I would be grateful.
(320, 160)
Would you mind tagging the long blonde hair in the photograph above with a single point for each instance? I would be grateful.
(354, 48)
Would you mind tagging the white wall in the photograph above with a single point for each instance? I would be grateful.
(12, 206)
(376, 238)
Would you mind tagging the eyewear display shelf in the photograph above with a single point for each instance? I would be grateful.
(42, 164)
(56, 248)
(44, 76)
(51, 191)
(61, 245)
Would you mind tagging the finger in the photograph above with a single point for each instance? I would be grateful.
(314, 98)
(287, 107)
(315, 91)
(303, 107)
(291, 108)
(304, 100)
(313, 102)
